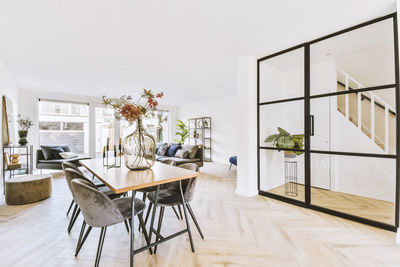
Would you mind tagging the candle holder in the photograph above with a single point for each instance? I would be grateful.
(112, 162)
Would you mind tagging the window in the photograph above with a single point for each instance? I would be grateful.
(157, 124)
(63, 123)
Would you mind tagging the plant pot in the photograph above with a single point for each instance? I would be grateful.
(22, 137)
(139, 149)
(290, 155)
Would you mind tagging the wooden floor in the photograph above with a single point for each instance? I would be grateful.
(370, 208)
(239, 231)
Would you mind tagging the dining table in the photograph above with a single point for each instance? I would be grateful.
(122, 180)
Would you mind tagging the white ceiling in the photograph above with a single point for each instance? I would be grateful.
(186, 48)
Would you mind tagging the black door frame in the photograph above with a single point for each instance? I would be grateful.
(307, 125)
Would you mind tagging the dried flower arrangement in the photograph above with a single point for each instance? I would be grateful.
(125, 107)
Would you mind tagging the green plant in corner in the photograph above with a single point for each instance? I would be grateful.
(182, 132)
(284, 139)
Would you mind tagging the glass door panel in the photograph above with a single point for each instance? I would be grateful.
(282, 77)
(360, 58)
(337, 125)
(360, 186)
(282, 172)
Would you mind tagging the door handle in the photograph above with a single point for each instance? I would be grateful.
(311, 125)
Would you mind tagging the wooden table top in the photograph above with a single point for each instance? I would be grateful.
(121, 180)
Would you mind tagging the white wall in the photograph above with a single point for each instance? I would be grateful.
(223, 113)
(8, 88)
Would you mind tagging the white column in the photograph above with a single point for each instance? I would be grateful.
(92, 130)
(246, 86)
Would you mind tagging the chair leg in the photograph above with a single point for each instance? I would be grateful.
(176, 213)
(80, 236)
(72, 217)
(83, 241)
(180, 212)
(126, 225)
(144, 200)
(73, 221)
(160, 219)
(100, 246)
(186, 217)
(230, 166)
(70, 206)
(194, 219)
(146, 237)
(148, 213)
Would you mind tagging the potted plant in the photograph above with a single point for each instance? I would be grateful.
(139, 147)
(182, 132)
(284, 139)
(24, 124)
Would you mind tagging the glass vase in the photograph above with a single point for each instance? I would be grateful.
(139, 149)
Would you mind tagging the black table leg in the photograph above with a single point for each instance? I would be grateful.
(132, 247)
(154, 213)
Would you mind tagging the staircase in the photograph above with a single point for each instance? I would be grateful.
(371, 114)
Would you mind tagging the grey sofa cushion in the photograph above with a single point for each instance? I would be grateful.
(59, 161)
(184, 154)
(181, 161)
(192, 149)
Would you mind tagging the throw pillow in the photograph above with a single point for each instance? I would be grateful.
(172, 149)
(192, 150)
(183, 154)
(55, 152)
(162, 150)
(68, 155)
(158, 145)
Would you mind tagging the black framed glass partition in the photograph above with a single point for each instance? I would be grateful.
(327, 124)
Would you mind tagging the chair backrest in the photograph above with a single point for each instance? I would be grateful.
(71, 174)
(97, 209)
(71, 166)
(169, 162)
(189, 185)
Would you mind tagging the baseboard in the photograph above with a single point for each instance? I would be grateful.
(246, 193)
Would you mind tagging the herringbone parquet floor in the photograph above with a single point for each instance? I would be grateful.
(239, 231)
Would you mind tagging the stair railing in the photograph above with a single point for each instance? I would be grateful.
(374, 100)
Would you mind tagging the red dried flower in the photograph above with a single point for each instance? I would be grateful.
(131, 112)
(159, 95)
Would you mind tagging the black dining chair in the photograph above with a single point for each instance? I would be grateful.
(172, 197)
(99, 211)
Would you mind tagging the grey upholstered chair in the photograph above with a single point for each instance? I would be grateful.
(71, 174)
(100, 211)
(71, 165)
(153, 188)
(172, 197)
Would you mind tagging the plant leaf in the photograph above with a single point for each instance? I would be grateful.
(282, 132)
(271, 138)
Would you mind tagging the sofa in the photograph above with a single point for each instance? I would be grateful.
(197, 159)
(55, 164)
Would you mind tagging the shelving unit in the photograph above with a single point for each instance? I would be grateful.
(200, 134)
(26, 160)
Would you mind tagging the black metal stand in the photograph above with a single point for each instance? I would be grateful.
(26, 168)
(291, 178)
(107, 162)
